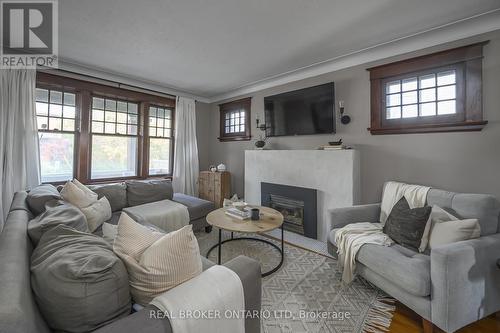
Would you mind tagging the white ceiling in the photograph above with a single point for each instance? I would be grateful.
(209, 48)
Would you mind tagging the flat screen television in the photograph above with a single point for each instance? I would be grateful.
(301, 112)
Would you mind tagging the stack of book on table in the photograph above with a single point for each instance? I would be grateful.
(238, 214)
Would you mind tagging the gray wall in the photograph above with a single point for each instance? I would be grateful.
(465, 161)
(203, 132)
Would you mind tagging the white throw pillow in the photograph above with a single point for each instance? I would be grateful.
(453, 231)
(97, 213)
(156, 262)
(76, 195)
(438, 214)
(444, 228)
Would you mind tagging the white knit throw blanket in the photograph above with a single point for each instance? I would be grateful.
(217, 292)
(350, 238)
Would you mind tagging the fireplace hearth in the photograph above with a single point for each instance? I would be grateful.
(297, 204)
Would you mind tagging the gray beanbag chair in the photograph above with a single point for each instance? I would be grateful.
(78, 282)
(64, 213)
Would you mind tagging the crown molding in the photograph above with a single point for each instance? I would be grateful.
(124, 81)
(464, 28)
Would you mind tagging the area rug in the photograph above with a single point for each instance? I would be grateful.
(306, 293)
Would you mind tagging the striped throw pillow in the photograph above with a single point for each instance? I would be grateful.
(156, 262)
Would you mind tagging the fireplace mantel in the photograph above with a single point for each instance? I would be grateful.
(334, 174)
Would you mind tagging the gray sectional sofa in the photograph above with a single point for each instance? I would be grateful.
(19, 311)
(453, 285)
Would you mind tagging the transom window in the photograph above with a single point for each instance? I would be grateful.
(112, 116)
(56, 121)
(235, 120)
(160, 140)
(426, 95)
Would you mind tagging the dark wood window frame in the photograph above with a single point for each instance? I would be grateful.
(466, 61)
(148, 137)
(234, 106)
(84, 91)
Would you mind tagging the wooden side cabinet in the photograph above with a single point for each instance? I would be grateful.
(214, 186)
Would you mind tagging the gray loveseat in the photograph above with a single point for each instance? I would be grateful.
(19, 312)
(453, 285)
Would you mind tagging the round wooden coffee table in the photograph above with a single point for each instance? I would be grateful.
(270, 219)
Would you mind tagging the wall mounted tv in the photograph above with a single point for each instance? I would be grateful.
(301, 112)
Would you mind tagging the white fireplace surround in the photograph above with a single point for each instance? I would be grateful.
(334, 174)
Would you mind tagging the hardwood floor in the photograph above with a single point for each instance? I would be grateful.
(407, 321)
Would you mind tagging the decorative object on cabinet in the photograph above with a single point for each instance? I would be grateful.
(221, 167)
(215, 186)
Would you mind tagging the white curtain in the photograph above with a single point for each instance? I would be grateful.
(19, 156)
(186, 164)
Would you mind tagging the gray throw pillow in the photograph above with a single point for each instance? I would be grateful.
(64, 213)
(78, 281)
(146, 191)
(406, 226)
(39, 196)
(115, 193)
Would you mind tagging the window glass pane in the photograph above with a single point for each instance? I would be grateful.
(394, 112)
(132, 108)
(152, 111)
(121, 128)
(427, 109)
(428, 95)
(113, 156)
(42, 122)
(427, 81)
(121, 117)
(98, 103)
(168, 123)
(68, 125)
(152, 131)
(69, 111)
(42, 109)
(409, 84)
(109, 128)
(69, 99)
(447, 107)
(447, 77)
(97, 127)
(410, 97)
(159, 156)
(55, 110)
(160, 122)
(447, 92)
(55, 124)
(121, 106)
(110, 116)
(161, 113)
(56, 156)
(98, 115)
(55, 97)
(168, 133)
(393, 87)
(42, 95)
(110, 105)
(394, 99)
(132, 130)
(168, 113)
(132, 119)
(410, 111)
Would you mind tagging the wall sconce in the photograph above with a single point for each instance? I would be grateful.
(262, 127)
(344, 119)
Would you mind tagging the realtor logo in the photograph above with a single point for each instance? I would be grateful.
(29, 34)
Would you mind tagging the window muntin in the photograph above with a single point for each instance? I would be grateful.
(111, 116)
(114, 132)
(431, 94)
(160, 140)
(57, 124)
(235, 122)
